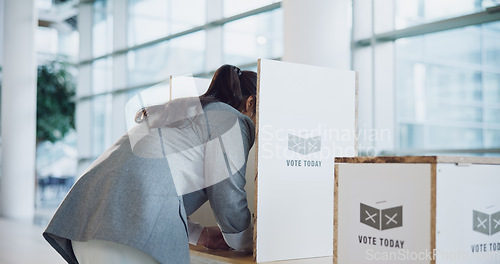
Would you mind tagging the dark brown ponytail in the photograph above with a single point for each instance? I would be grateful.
(225, 86)
(248, 83)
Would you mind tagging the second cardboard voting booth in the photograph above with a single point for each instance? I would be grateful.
(425, 209)
(306, 116)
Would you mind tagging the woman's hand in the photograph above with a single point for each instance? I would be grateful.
(211, 238)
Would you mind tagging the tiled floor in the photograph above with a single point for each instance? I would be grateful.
(22, 243)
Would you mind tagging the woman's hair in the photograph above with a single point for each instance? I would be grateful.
(231, 85)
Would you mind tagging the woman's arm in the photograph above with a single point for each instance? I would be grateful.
(211, 237)
(228, 198)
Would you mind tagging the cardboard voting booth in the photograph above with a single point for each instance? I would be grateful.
(306, 117)
(417, 210)
(188, 86)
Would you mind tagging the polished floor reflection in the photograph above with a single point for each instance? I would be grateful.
(23, 243)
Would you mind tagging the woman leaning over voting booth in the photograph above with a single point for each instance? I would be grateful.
(131, 205)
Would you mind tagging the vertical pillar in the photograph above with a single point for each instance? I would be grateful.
(17, 182)
(318, 32)
(1, 35)
(119, 64)
(214, 42)
(384, 99)
(84, 112)
(375, 66)
(362, 63)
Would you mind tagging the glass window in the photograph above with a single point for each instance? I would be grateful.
(251, 38)
(187, 54)
(452, 85)
(145, 65)
(449, 137)
(157, 62)
(101, 123)
(56, 167)
(448, 88)
(412, 136)
(232, 7)
(433, 137)
(491, 36)
(492, 89)
(43, 4)
(154, 19)
(414, 12)
(46, 40)
(454, 46)
(69, 43)
(492, 115)
(492, 138)
(102, 29)
(102, 75)
(148, 21)
(430, 92)
(188, 14)
(411, 91)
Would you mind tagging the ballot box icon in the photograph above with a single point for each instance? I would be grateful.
(495, 223)
(370, 216)
(485, 223)
(381, 219)
(304, 145)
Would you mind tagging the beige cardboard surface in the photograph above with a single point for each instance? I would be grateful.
(306, 117)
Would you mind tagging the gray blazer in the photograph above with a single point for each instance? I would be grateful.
(133, 193)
